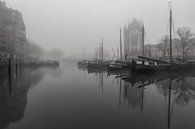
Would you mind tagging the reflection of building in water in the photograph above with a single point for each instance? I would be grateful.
(132, 95)
(133, 38)
(177, 88)
(13, 93)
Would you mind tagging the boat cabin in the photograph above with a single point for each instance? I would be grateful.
(144, 62)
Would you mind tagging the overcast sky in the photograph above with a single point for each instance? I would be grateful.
(74, 24)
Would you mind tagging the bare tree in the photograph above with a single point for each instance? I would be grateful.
(185, 41)
(164, 46)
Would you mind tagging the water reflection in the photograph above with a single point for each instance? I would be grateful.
(15, 84)
(145, 93)
(97, 100)
(132, 95)
(101, 82)
(178, 89)
(182, 87)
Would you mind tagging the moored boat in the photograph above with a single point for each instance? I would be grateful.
(82, 64)
(116, 65)
(97, 64)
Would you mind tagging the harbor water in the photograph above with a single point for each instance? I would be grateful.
(67, 97)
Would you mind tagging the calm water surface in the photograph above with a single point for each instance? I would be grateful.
(71, 98)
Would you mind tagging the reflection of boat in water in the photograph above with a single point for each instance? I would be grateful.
(97, 70)
(150, 78)
(101, 82)
(177, 89)
(119, 72)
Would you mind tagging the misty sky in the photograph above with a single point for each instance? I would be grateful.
(74, 24)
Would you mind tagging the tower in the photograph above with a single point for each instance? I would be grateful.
(133, 43)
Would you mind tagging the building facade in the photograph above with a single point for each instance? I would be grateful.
(133, 42)
(12, 31)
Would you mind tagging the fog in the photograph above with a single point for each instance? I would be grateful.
(73, 25)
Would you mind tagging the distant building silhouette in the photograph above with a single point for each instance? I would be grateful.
(153, 50)
(133, 38)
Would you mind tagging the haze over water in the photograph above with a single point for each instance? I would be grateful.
(42, 86)
(73, 25)
(72, 98)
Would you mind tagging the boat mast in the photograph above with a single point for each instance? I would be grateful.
(170, 31)
(143, 36)
(102, 49)
(120, 44)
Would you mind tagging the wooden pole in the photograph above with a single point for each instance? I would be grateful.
(102, 49)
